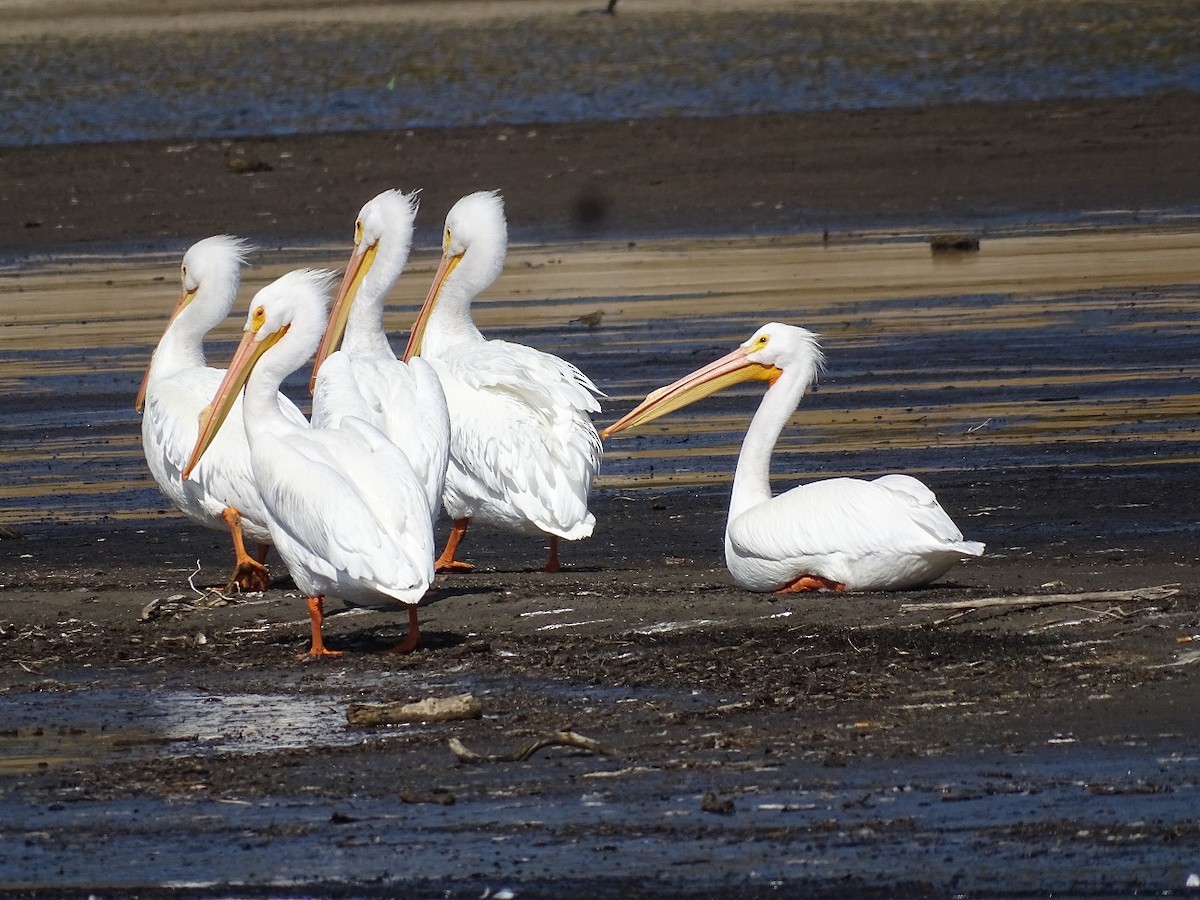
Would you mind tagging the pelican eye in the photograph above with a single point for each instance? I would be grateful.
(358, 231)
(259, 317)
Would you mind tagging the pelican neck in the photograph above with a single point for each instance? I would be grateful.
(752, 478)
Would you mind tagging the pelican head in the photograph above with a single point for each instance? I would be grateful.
(289, 313)
(214, 264)
(383, 234)
(474, 243)
(770, 352)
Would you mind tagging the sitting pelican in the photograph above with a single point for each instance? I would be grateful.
(523, 450)
(178, 385)
(364, 378)
(840, 533)
(345, 508)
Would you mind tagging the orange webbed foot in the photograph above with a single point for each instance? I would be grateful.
(446, 562)
(811, 583)
(316, 614)
(250, 575)
(413, 639)
(321, 652)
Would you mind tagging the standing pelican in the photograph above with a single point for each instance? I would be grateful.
(178, 385)
(523, 450)
(840, 533)
(403, 400)
(344, 506)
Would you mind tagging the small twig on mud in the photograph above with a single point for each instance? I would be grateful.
(192, 584)
(558, 739)
(1113, 612)
(953, 616)
(1030, 601)
(209, 597)
(974, 428)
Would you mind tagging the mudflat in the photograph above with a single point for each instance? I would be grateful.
(1025, 726)
(999, 165)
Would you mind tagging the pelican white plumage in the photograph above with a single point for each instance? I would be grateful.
(178, 385)
(523, 450)
(345, 509)
(403, 400)
(839, 533)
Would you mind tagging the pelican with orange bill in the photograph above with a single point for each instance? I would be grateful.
(345, 509)
(178, 385)
(889, 533)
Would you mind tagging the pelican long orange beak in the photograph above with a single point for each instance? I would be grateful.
(185, 297)
(730, 369)
(248, 352)
(360, 264)
(445, 267)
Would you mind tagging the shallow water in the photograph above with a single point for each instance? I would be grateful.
(1063, 349)
(101, 718)
(991, 826)
(325, 68)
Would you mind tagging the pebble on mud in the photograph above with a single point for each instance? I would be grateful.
(711, 803)
(953, 243)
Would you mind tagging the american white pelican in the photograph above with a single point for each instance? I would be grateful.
(840, 533)
(178, 385)
(523, 450)
(345, 508)
(403, 400)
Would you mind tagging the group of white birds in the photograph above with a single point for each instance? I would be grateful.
(492, 431)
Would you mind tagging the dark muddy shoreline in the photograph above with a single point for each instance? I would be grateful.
(1002, 166)
(853, 745)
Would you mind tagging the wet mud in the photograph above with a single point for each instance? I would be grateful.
(1025, 725)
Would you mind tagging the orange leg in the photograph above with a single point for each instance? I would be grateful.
(409, 644)
(811, 583)
(446, 562)
(249, 574)
(316, 615)
(552, 562)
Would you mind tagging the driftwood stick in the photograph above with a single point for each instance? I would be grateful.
(558, 739)
(1146, 594)
(432, 709)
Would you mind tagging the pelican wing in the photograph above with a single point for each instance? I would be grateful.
(521, 430)
(845, 518)
(408, 405)
(173, 407)
(224, 478)
(543, 380)
(349, 497)
(922, 506)
(404, 401)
